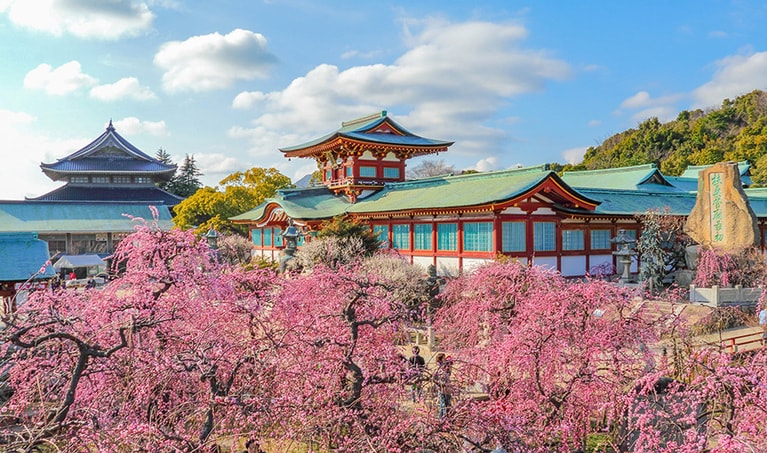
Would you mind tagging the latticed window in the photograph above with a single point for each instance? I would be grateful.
(478, 236)
(368, 172)
(544, 236)
(78, 179)
(447, 236)
(101, 179)
(422, 236)
(600, 240)
(258, 236)
(277, 237)
(391, 172)
(572, 240)
(513, 237)
(142, 180)
(121, 179)
(382, 233)
(267, 237)
(401, 236)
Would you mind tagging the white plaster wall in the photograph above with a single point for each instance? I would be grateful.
(469, 264)
(546, 261)
(423, 261)
(573, 265)
(598, 260)
(447, 266)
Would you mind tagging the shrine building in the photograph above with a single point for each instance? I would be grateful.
(105, 184)
(457, 223)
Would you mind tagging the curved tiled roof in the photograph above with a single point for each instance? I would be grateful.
(149, 195)
(110, 153)
(441, 192)
(645, 177)
(375, 129)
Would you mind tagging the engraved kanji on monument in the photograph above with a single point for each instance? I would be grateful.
(722, 217)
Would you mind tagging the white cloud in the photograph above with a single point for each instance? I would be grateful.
(735, 75)
(247, 99)
(126, 88)
(29, 148)
(574, 155)
(645, 106)
(218, 164)
(133, 126)
(214, 61)
(63, 80)
(82, 18)
(640, 99)
(453, 74)
(487, 164)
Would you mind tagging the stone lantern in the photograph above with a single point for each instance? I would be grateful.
(624, 253)
(290, 235)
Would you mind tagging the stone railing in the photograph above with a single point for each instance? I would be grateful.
(723, 297)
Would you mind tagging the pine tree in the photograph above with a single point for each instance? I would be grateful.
(186, 181)
(164, 157)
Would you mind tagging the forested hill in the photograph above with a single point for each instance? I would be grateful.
(736, 131)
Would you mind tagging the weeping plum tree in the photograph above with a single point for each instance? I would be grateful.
(153, 361)
(553, 354)
(184, 353)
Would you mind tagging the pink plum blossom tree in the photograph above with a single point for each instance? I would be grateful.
(552, 354)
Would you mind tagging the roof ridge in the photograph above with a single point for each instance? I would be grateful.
(364, 119)
(543, 169)
(650, 166)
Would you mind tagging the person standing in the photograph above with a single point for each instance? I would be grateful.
(442, 381)
(417, 365)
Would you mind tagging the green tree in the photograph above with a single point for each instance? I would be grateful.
(163, 156)
(211, 207)
(186, 181)
(341, 227)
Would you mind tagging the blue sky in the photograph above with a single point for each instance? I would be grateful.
(231, 81)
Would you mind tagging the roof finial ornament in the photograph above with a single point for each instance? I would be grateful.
(110, 127)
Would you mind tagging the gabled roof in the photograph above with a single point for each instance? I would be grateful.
(638, 177)
(470, 190)
(370, 131)
(74, 217)
(480, 191)
(22, 255)
(316, 203)
(147, 195)
(110, 153)
(689, 179)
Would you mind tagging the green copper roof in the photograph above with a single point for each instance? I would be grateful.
(453, 191)
(692, 171)
(639, 177)
(360, 129)
(52, 217)
(429, 193)
(22, 255)
(313, 203)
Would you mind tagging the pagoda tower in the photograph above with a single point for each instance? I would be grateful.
(110, 169)
(364, 154)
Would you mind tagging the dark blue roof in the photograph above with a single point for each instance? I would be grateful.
(109, 153)
(149, 195)
(110, 165)
(22, 256)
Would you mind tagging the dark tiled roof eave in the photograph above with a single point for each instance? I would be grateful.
(149, 195)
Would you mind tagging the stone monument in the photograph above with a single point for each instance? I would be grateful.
(722, 217)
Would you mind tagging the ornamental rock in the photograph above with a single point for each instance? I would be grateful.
(722, 216)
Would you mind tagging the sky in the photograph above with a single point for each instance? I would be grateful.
(229, 82)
